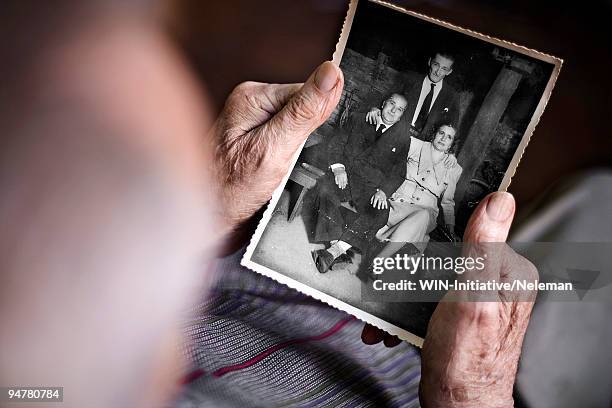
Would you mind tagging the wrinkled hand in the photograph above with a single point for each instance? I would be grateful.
(379, 200)
(470, 355)
(450, 161)
(341, 178)
(373, 116)
(256, 136)
(471, 351)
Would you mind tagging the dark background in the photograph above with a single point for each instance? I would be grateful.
(231, 41)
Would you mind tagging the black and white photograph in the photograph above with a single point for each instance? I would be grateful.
(432, 118)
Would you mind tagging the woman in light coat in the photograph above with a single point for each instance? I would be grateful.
(414, 205)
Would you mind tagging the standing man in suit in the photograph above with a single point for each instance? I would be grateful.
(366, 165)
(431, 101)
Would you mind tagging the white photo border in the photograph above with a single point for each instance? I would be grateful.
(518, 154)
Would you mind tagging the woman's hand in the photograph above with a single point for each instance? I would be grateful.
(373, 116)
(256, 136)
(450, 161)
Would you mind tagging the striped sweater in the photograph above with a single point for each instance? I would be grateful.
(257, 343)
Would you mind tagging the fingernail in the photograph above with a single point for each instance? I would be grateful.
(500, 206)
(326, 77)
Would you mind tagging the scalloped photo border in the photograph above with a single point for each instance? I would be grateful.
(337, 57)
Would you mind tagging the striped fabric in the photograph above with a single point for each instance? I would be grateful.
(257, 343)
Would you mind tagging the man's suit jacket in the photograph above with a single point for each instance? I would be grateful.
(444, 110)
(370, 159)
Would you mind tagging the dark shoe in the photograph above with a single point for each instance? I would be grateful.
(364, 276)
(344, 263)
(365, 272)
(352, 253)
(322, 259)
(345, 258)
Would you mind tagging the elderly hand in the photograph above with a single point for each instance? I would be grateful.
(471, 351)
(256, 136)
(373, 116)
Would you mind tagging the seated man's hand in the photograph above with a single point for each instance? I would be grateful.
(341, 178)
(256, 137)
(450, 161)
(379, 200)
(373, 116)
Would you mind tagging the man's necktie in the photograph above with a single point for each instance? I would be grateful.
(379, 131)
(422, 118)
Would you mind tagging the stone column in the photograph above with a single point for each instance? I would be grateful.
(493, 107)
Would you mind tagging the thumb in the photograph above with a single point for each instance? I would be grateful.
(488, 226)
(492, 219)
(308, 107)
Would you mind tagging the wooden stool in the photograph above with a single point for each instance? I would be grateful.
(305, 176)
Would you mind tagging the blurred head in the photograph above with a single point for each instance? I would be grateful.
(440, 66)
(102, 178)
(393, 108)
(444, 138)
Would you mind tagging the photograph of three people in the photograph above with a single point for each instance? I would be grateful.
(432, 119)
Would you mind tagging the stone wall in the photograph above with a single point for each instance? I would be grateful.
(365, 80)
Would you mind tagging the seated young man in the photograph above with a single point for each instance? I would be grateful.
(366, 165)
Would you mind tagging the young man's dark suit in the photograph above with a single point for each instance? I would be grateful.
(372, 161)
(445, 109)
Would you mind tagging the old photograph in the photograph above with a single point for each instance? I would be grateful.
(432, 119)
